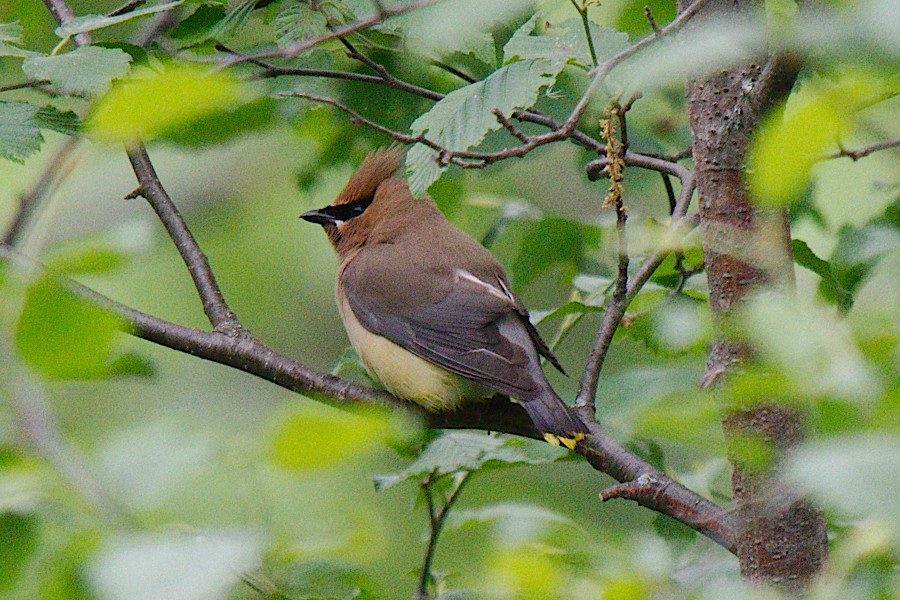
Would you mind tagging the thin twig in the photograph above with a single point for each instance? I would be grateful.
(344, 30)
(220, 315)
(598, 73)
(587, 389)
(464, 158)
(586, 23)
(436, 520)
(33, 83)
(859, 153)
(652, 21)
(615, 307)
(62, 13)
(126, 8)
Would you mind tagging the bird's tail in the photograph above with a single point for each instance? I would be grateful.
(551, 416)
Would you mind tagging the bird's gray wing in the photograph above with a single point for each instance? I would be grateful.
(473, 331)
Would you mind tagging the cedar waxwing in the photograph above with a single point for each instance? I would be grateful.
(428, 309)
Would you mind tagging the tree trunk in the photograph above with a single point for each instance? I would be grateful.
(782, 537)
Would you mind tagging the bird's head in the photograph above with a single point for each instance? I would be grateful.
(371, 201)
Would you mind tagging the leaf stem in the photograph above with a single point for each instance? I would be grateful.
(583, 11)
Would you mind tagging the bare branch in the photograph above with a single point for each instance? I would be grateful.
(436, 520)
(599, 73)
(220, 316)
(245, 353)
(295, 49)
(859, 153)
(615, 310)
(33, 83)
(126, 8)
(651, 20)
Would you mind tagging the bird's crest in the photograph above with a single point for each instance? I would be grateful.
(378, 166)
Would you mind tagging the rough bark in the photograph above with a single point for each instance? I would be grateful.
(781, 536)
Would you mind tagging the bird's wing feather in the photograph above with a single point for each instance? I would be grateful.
(460, 332)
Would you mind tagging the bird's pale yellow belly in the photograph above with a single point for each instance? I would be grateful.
(403, 373)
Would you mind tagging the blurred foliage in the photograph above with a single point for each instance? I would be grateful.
(128, 471)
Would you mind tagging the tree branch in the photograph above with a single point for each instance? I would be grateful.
(220, 315)
(859, 153)
(245, 353)
(294, 50)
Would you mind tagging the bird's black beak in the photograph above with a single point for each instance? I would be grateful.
(322, 216)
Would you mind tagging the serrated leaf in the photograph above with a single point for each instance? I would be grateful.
(298, 22)
(64, 336)
(805, 257)
(152, 106)
(565, 42)
(87, 23)
(462, 118)
(11, 39)
(20, 134)
(468, 451)
(60, 121)
(85, 70)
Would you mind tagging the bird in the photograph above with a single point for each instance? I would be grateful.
(429, 311)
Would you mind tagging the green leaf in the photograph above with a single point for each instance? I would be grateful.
(64, 336)
(468, 451)
(151, 106)
(198, 27)
(20, 134)
(464, 26)
(154, 566)
(319, 579)
(857, 475)
(130, 364)
(464, 116)
(299, 22)
(565, 43)
(11, 39)
(523, 515)
(633, 20)
(316, 436)
(85, 70)
(805, 257)
(90, 256)
(64, 122)
(19, 533)
(549, 242)
(221, 126)
(811, 347)
(569, 308)
(87, 23)
(790, 140)
(673, 531)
